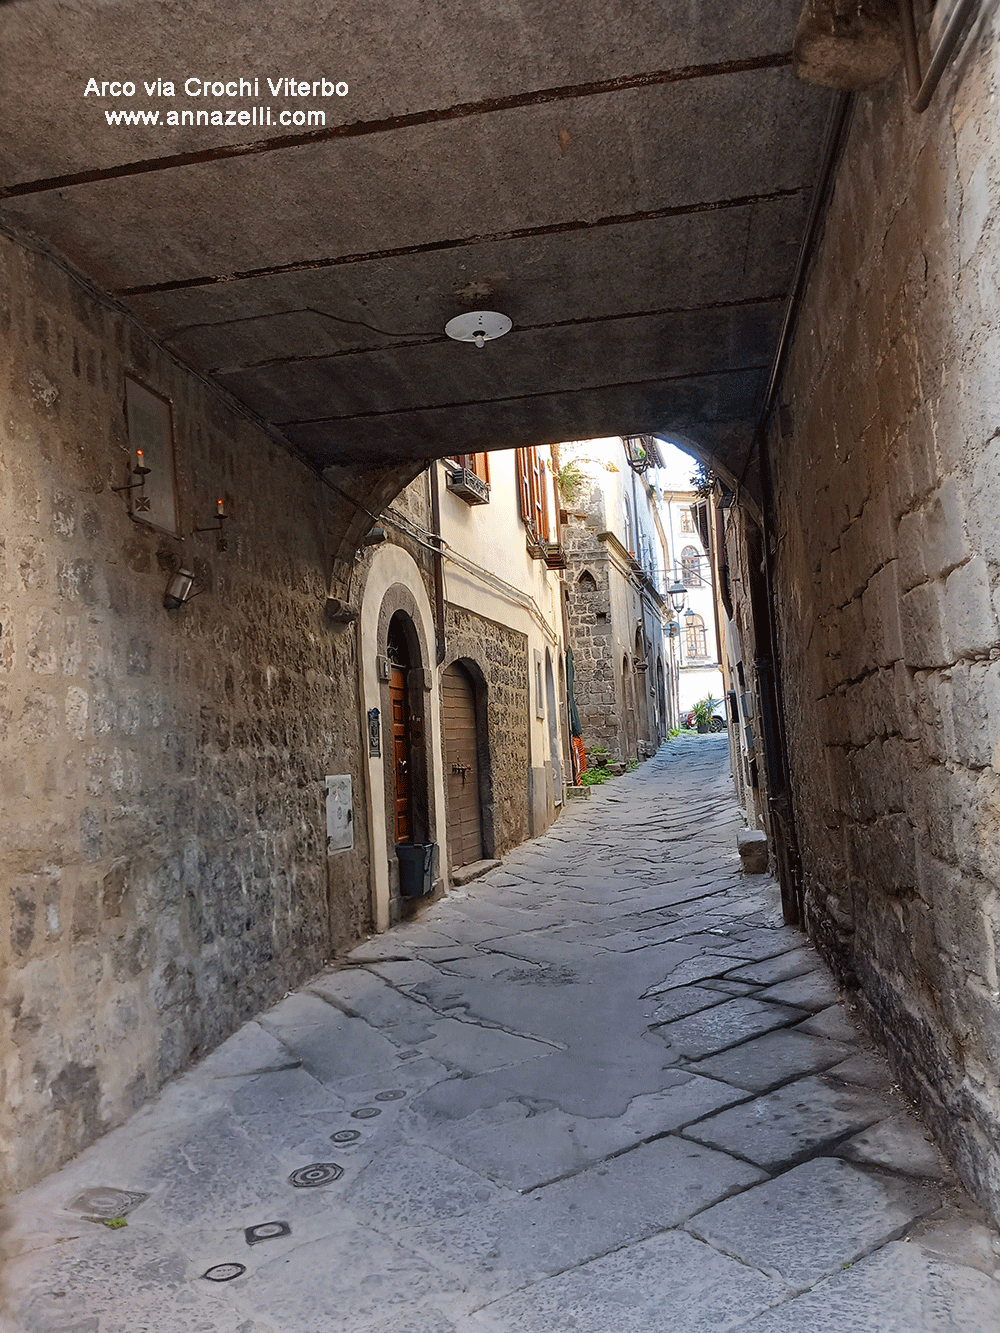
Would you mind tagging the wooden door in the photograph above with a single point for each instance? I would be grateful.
(461, 768)
(400, 754)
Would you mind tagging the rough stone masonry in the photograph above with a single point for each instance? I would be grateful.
(888, 489)
(162, 772)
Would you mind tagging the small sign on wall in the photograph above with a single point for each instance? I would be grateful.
(339, 814)
(150, 429)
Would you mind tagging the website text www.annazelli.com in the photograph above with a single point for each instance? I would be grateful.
(257, 115)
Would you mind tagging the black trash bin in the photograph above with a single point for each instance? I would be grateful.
(416, 868)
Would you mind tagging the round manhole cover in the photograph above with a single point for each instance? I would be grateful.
(224, 1272)
(346, 1135)
(319, 1173)
(365, 1113)
(393, 1095)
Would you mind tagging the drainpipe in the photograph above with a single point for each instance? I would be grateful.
(438, 560)
(923, 89)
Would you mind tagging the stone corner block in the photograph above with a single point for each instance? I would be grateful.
(752, 847)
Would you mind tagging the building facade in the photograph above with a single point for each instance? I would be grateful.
(699, 674)
(616, 553)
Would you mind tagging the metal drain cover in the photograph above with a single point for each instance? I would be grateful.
(104, 1201)
(224, 1272)
(365, 1113)
(346, 1135)
(266, 1231)
(393, 1095)
(319, 1173)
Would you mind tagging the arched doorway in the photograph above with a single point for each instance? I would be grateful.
(398, 653)
(552, 717)
(461, 767)
(661, 700)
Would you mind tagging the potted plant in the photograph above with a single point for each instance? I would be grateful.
(702, 711)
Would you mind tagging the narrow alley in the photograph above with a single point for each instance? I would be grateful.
(603, 1087)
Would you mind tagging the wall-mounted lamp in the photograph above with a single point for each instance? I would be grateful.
(218, 526)
(677, 595)
(373, 537)
(141, 502)
(178, 589)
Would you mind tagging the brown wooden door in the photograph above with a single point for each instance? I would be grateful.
(461, 768)
(400, 754)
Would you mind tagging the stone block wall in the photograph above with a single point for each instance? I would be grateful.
(163, 857)
(501, 655)
(888, 569)
(596, 681)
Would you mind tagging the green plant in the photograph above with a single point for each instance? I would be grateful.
(593, 777)
(702, 480)
(569, 479)
(702, 711)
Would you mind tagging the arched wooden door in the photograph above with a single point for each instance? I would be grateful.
(400, 754)
(461, 767)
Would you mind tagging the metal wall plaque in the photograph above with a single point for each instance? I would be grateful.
(339, 814)
(374, 733)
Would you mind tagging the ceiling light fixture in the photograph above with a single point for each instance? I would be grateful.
(478, 326)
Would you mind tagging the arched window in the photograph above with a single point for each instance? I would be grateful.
(694, 633)
(690, 567)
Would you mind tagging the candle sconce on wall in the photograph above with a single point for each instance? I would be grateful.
(139, 504)
(218, 526)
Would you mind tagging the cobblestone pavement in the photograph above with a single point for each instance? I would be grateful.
(603, 1088)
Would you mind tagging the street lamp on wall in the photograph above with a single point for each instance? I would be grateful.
(678, 595)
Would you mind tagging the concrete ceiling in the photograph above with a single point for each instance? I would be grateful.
(628, 182)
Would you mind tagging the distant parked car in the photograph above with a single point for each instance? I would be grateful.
(718, 722)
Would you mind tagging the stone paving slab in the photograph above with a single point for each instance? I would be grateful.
(782, 1127)
(782, 968)
(898, 1144)
(724, 1025)
(773, 1059)
(522, 1149)
(813, 990)
(835, 1024)
(523, 1239)
(685, 1000)
(900, 1289)
(672, 1283)
(811, 1221)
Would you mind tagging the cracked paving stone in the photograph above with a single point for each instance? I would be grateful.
(901, 1289)
(616, 1202)
(775, 1058)
(726, 1024)
(672, 1283)
(801, 1119)
(811, 1221)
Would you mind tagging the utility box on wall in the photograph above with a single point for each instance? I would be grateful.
(339, 815)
